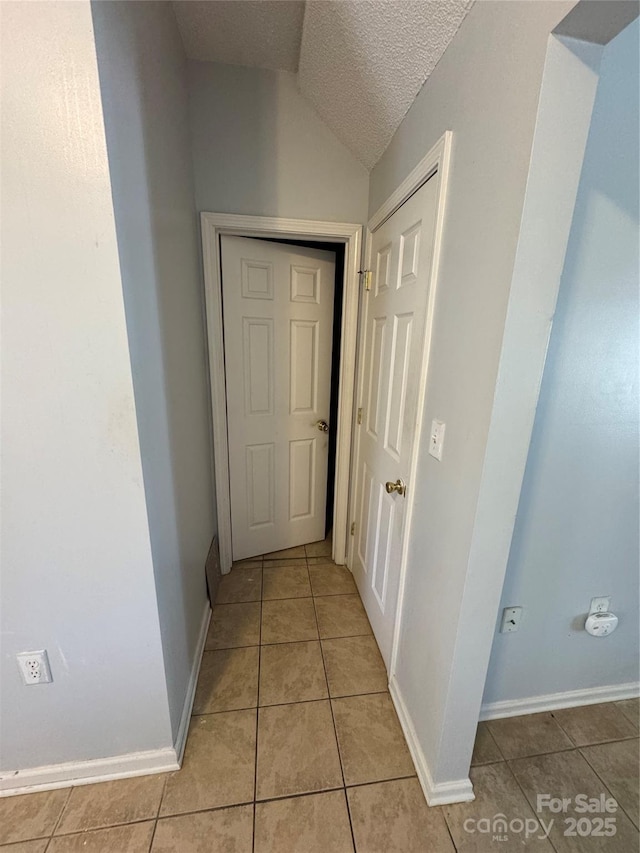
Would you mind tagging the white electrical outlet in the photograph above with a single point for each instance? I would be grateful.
(600, 605)
(34, 667)
(511, 617)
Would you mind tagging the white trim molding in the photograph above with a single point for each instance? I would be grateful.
(555, 701)
(185, 718)
(213, 226)
(436, 794)
(75, 773)
(436, 159)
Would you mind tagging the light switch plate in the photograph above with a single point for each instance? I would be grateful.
(436, 439)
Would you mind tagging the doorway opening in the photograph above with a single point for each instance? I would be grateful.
(343, 240)
(278, 310)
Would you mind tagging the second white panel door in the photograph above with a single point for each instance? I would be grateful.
(393, 325)
(278, 331)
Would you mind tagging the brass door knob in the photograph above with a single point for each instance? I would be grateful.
(398, 487)
(323, 426)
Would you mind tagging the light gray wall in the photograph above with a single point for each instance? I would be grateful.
(489, 99)
(259, 148)
(76, 570)
(576, 533)
(144, 88)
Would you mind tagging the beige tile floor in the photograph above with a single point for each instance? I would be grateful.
(295, 747)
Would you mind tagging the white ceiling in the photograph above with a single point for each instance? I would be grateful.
(360, 63)
(363, 62)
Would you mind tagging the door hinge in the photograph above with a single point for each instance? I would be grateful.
(359, 416)
(353, 528)
(366, 278)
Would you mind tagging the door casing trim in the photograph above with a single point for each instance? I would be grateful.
(437, 160)
(214, 225)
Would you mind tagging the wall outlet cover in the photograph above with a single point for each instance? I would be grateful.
(34, 667)
(600, 605)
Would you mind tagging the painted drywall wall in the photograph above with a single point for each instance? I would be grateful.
(489, 99)
(260, 149)
(76, 572)
(143, 79)
(576, 533)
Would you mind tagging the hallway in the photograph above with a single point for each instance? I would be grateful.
(325, 719)
(295, 747)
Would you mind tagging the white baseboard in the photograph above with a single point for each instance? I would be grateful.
(183, 728)
(74, 773)
(164, 760)
(436, 794)
(555, 701)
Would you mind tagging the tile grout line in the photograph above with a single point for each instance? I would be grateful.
(524, 794)
(155, 825)
(153, 835)
(447, 827)
(313, 594)
(335, 728)
(594, 743)
(551, 752)
(534, 755)
(115, 825)
(285, 642)
(488, 763)
(57, 823)
(255, 767)
(280, 798)
(307, 701)
(291, 796)
(605, 784)
(562, 729)
(346, 801)
(338, 637)
(381, 781)
(497, 745)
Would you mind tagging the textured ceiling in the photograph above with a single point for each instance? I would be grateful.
(360, 63)
(363, 62)
(262, 33)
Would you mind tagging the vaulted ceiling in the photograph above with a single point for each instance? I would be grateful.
(360, 63)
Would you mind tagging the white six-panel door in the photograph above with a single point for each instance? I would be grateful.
(393, 325)
(278, 329)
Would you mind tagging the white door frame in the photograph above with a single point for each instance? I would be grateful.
(213, 226)
(438, 159)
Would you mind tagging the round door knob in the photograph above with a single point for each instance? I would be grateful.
(323, 426)
(398, 487)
